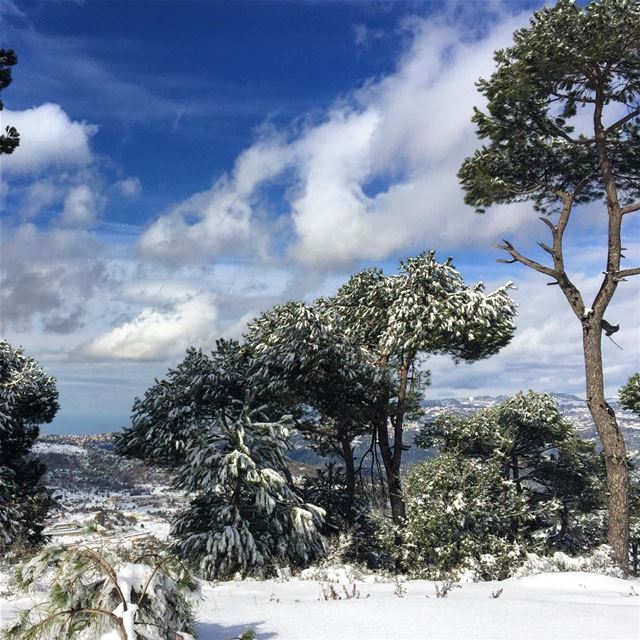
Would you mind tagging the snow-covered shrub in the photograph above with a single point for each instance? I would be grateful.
(629, 394)
(537, 449)
(599, 561)
(246, 517)
(28, 397)
(462, 515)
(106, 594)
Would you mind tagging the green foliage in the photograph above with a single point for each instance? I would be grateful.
(425, 308)
(462, 515)
(629, 394)
(28, 397)
(10, 139)
(93, 592)
(535, 447)
(246, 516)
(570, 59)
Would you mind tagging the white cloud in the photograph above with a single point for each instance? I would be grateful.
(222, 221)
(375, 176)
(47, 137)
(546, 352)
(80, 207)
(129, 187)
(158, 332)
(48, 275)
(39, 195)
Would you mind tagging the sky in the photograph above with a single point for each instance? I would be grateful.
(185, 165)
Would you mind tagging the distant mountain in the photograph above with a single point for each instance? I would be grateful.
(88, 462)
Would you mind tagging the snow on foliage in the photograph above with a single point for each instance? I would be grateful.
(109, 594)
(246, 516)
(599, 561)
(462, 516)
(28, 397)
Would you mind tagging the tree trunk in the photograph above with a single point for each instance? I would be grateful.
(615, 452)
(350, 474)
(392, 472)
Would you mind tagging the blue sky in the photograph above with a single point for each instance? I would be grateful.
(185, 165)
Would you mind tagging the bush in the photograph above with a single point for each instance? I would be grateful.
(462, 515)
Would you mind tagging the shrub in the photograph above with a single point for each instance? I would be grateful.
(462, 515)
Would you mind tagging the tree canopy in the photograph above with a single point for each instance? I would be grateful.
(28, 398)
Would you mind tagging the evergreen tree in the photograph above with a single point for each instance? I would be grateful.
(10, 139)
(245, 517)
(330, 378)
(572, 62)
(425, 309)
(537, 450)
(629, 394)
(28, 397)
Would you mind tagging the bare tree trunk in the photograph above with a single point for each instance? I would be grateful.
(615, 452)
(392, 471)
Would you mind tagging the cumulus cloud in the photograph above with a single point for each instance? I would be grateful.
(48, 275)
(47, 137)
(178, 318)
(129, 187)
(374, 176)
(224, 220)
(38, 195)
(80, 207)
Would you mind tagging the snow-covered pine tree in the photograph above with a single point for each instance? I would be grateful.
(538, 450)
(330, 377)
(246, 517)
(398, 319)
(28, 398)
(108, 593)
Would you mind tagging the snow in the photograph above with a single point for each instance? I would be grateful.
(574, 605)
(56, 447)
(550, 606)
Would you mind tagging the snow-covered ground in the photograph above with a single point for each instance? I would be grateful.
(567, 606)
(564, 606)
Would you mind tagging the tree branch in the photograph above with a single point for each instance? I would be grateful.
(630, 208)
(627, 272)
(630, 116)
(518, 257)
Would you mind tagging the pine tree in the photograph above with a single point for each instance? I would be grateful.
(105, 593)
(246, 517)
(229, 453)
(572, 62)
(425, 309)
(538, 450)
(328, 375)
(28, 397)
(10, 139)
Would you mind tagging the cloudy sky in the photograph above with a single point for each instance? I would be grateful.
(184, 165)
